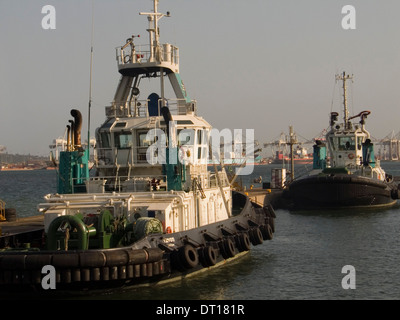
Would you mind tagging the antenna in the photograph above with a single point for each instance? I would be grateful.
(345, 77)
(153, 30)
(90, 81)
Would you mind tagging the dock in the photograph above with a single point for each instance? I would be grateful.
(25, 230)
(265, 196)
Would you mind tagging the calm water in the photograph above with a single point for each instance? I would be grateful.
(303, 261)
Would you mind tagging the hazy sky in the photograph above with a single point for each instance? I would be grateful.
(256, 64)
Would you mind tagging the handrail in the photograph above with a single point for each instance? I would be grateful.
(142, 54)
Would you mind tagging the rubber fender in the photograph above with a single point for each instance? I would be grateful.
(85, 274)
(105, 273)
(149, 269)
(95, 274)
(122, 272)
(154, 254)
(36, 276)
(189, 256)
(37, 261)
(222, 250)
(244, 239)
(65, 260)
(256, 236)
(268, 210)
(271, 222)
(92, 259)
(156, 268)
(113, 273)
(137, 256)
(229, 247)
(143, 270)
(65, 276)
(76, 274)
(13, 261)
(267, 232)
(130, 271)
(6, 276)
(210, 256)
(115, 257)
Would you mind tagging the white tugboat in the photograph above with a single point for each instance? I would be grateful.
(353, 178)
(152, 210)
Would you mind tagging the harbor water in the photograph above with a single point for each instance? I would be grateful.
(303, 261)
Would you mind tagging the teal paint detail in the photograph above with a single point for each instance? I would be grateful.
(368, 153)
(319, 156)
(174, 170)
(182, 87)
(73, 172)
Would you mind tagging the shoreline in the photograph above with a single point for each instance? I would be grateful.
(27, 169)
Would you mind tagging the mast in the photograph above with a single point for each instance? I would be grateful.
(343, 77)
(154, 36)
(291, 140)
(90, 80)
(153, 30)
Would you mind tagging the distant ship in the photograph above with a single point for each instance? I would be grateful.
(300, 157)
(353, 177)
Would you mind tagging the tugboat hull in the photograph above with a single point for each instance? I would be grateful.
(155, 258)
(341, 191)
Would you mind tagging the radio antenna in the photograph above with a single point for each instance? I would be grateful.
(90, 81)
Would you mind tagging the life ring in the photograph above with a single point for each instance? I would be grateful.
(351, 156)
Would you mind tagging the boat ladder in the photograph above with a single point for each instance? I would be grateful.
(199, 187)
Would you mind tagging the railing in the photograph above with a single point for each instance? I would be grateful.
(135, 183)
(139, 108)
(146, 183)
(142, 54)
(124, 157)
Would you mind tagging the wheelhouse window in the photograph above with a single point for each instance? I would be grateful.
(186, 137)
(123, 140)
(145, 139)
(202, 147)
(347, 143)
(105, 140)
(143, 142)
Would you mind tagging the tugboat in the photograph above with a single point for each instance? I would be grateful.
(152, 210)
(353, 178)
